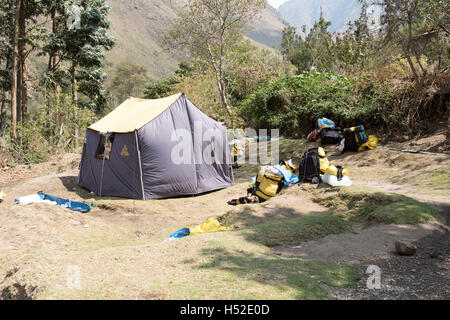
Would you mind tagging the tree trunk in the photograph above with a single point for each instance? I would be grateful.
(222, 92)
(408, 48)
(3, 118)
(24, 93)
(4, 102)
(75, 101)
(14, 74)
(413, 69)
(22, 84)
(19, 87)
(53, 56)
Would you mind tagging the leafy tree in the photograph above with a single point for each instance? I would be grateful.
(209, 30)
(77, 50)
(129, 80)
(311, 53)
(161, 89)
(249, 67)
(184, 69)
(414, 26)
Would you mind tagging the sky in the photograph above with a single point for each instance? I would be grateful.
(276, 3)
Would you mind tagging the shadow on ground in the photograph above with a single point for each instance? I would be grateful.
(295, 277)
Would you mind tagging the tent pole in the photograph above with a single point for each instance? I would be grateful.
(232, 172)
(140, 164)
(103, 162)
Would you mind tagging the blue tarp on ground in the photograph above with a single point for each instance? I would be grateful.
(66, 203)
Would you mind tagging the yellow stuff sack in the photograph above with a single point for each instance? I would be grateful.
(333, 170)
(289, 166)
(371, 144)
(321, 152)
(269, 182)
(211, 225)
(323, 161)
(324, 164)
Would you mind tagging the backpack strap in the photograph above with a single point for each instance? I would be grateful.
(317, 167)
(305, 157)
(339, 173)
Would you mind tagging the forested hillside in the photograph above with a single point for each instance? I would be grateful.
(139, 27)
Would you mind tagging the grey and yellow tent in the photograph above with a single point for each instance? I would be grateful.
(135, 151)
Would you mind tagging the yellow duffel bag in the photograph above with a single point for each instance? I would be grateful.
(269, 182)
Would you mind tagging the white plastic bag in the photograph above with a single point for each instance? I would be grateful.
(342, 145)
(333, 181)
(33, 198)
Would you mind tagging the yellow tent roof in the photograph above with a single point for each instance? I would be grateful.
(133, 114)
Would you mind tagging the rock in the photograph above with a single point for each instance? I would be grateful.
(405, 248)
(435, 254)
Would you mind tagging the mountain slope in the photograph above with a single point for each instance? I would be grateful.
(306, 12)
(267, 30)
(139, 27)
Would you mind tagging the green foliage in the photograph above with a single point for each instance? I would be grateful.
(81, 50)
(414, 30)
(249, 66)
(184, 69)
(210, 30)
(129, 80)
(50, 130)
(294, 104)
(161, 89)
(311, 53)
(165, 87)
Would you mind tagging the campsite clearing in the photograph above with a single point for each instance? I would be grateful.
(306, 243)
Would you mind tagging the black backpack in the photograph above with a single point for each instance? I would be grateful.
(330, 136)
(350, 141)
(309, 170)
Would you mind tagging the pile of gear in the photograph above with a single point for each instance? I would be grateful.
(327, 132)
(314, 167)
(268, 183)
(352, 139)
(356, 140)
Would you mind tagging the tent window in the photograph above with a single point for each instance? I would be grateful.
(101, 152)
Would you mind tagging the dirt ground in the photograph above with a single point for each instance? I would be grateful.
(118, 248)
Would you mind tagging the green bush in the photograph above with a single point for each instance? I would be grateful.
(294, 104)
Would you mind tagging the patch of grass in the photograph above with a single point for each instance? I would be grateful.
(266, 276)
(380, 207)
(291, 232)
(436, 180)
(403, 212)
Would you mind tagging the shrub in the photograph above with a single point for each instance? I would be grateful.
(294, 104)
(51, 129)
